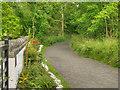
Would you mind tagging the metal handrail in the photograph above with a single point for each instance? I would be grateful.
(4, 60)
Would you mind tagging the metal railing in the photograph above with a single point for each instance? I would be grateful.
(4, 83)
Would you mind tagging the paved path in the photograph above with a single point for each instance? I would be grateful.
(78, 71)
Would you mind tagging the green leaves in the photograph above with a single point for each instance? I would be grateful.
(10, 22)
(109, 11)
(45, 18)
(37, 77)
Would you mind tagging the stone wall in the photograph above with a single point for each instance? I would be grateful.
(16, 51)
(16, 45)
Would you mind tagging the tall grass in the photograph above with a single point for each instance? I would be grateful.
(104, 50)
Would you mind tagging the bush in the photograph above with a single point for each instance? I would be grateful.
(104, 50)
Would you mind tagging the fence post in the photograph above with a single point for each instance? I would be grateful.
(7, 62)
(1, 69)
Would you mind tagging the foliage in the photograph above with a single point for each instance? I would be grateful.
(44, 18)
(49, 40)
(97, 22)
(33, 48)
(96, 19)
(110, 13)
(104, 50)
(34, 75)
(93, 19)
(0, 20)
(32, 53)
(37, 77)
(35, 43)
(10, 22)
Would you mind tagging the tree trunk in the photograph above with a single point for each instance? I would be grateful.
(33, 28)
(27, 44)
(112, 28)
(106, 27)
(63, 21)
(33, 22)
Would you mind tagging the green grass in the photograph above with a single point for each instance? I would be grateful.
(35, 77)
(104, 50)
(51, 69)
(50, 40)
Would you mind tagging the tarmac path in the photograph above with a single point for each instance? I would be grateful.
(80, 72)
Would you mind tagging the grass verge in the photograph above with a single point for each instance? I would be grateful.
(104, 50)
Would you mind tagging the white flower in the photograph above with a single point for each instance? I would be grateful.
(50, 73)
(73, 2)
(53, 76)
(77, 5)
(40, 48)
(46, 67)
(60, 86)
(58, 81)
(43, 64)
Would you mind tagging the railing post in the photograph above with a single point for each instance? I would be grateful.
(7, 62)
(1, 70)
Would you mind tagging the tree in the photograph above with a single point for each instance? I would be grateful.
(107, 20)
(10, 22)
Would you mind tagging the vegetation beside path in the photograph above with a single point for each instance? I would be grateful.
(51, 39)
(48, 41)
(52, 69)
(50, 22)
(35, 76)
(104, 50)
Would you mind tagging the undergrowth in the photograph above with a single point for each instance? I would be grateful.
(105, 49)
(34, 75)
